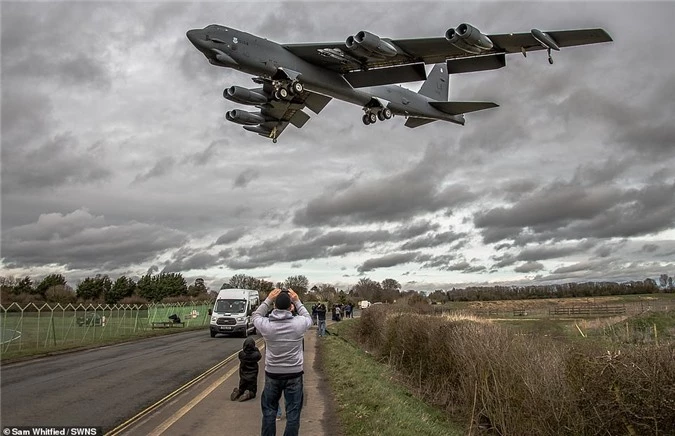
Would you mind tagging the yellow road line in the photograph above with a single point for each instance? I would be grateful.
(128, 423)
(196, 400)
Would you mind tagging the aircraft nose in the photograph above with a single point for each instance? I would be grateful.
(195, 37)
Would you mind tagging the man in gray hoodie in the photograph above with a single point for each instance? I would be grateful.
(283, 334)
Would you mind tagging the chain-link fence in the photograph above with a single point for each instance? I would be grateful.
(32, 328)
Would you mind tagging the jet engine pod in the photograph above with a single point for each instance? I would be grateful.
(371, 43)
(469, 39)
(242, 95)
(243, 117)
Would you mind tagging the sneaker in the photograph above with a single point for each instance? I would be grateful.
(247, 395)
(235, 394)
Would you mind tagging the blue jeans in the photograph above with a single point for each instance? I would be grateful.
(293, 396)
(322, 327)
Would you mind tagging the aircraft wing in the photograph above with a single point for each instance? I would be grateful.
(338, 57)
(280, 113)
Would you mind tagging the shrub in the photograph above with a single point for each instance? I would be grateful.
(60, 294)
(516, 384)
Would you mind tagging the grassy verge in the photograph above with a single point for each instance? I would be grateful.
(369, 400)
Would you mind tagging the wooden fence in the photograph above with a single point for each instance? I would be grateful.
(588, 310)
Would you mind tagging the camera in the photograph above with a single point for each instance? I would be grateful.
(284, 290)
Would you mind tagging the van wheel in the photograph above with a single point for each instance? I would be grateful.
(213, 334)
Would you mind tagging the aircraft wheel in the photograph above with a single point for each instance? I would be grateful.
(386, 112)
(276, 95)
(550, 61)
(372, 117)
(380, 115)
(366, 119)
(297, 87)
(274, 141)
(283, 93)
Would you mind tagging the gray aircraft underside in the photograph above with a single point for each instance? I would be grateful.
(363, 71)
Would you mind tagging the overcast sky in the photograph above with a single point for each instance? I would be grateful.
(117, 158)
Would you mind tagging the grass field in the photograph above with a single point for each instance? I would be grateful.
(30, 333)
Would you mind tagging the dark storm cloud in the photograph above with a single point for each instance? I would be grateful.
(231, 236)
(572, 211)
(466, 267)
(387, 261)
(297, 246)
(245, 177)
(544, 252)
(441, 262)
(203, 157)
(387, 199)
(81, 240)
(27, 114)
(161, 168)
(556, 204)
(432, 240)
(650, 248)
(185, 260)
(591, 265)
(73, 58)
(315, 244)
(52, 164)
(529, 267)
(504, 260)
(98, 94)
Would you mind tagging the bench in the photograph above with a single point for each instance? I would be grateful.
(167, 324)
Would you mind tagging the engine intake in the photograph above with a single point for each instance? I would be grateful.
(368, 43)
(243, 117)
(242, 95)
(469, 39)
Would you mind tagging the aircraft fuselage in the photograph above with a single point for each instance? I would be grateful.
(227, 47)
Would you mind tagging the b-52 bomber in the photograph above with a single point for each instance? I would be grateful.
(363, 70)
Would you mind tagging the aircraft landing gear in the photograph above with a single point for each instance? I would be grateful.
(371, 116)
(296, 87)
(281, 94)
(285, 90)
(550, 59)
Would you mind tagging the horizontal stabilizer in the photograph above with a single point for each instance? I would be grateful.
(387, 76)
(413, 122)
(480, 63)
(299, 119)
(461, 107)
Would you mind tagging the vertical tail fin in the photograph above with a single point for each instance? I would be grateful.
(437, 84)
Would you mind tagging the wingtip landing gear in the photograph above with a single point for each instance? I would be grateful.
(550, 59)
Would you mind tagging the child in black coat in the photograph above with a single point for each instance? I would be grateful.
(248, 372)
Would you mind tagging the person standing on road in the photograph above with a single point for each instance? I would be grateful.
(283, 334)
(321, 318)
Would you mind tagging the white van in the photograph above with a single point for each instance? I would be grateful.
(232, 312)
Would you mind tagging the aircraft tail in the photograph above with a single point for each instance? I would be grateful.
(437, 84)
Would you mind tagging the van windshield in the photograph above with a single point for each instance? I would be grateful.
(230, 306)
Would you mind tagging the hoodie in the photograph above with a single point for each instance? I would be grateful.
(248, 366)
(283, 334)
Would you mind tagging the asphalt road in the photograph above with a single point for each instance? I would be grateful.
(104, 387)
